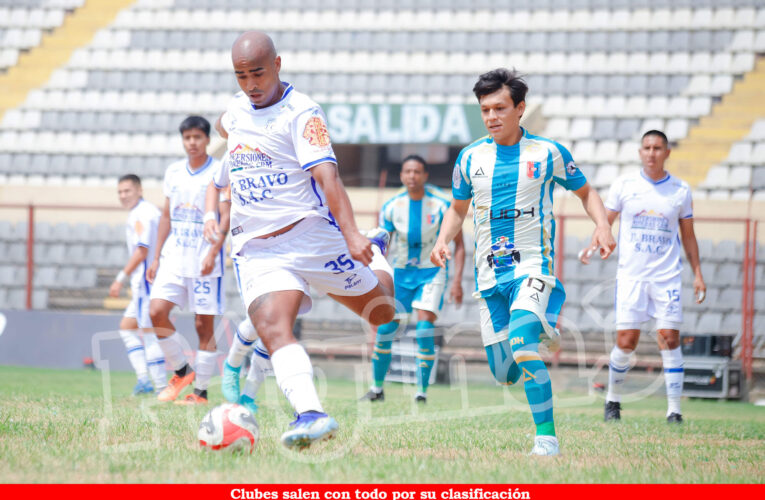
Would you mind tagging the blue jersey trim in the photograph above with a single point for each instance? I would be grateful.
(546, 271)
(673, 370)
(656, 183)
(220, 304)
(326, 159)
(143, 245)
(414, 233)
(217, 186)
(200, 169)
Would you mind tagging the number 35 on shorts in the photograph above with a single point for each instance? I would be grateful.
(340, 265)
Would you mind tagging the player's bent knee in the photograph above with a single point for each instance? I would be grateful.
(381, 315)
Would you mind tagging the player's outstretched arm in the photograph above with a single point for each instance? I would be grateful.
(212, 229)
(219, 126)
(138, 256)
(459, 266)
(594, 207)
(691, 246)
(208, 263)
(451, 225)
(163, 230)
(586, 253)
(337, 199)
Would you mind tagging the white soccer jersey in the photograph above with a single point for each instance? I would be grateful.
(512, 192)
(270, 153)
(141, 231)
(650, 211)
(414, 225)
(186, 246)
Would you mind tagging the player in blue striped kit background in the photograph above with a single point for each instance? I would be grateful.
(414, 216)
(509, 175)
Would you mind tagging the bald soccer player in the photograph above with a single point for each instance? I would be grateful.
(292, 226)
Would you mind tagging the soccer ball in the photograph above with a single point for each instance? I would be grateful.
(229, 427)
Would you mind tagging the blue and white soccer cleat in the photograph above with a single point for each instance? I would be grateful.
(229, 385)
(248, 403)
(545, 446)
(380, 237)
(310, 427)
(143, 387)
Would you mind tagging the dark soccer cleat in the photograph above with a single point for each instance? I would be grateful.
(373, 396)
(675, 418)
(612, 411)
(420, 399)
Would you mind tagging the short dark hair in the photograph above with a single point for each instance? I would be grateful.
(197, 122)
(657, 133)
(490, 82)
(418, 159)
(132, 178)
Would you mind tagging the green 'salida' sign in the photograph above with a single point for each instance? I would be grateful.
(457, 124)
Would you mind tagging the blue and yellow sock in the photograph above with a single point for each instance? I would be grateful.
(382, 352)
(426, 354)
(501, 363)
(524, 341)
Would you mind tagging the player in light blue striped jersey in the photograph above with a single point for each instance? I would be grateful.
(414, 217)
(509, 176)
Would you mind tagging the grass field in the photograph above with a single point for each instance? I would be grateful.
(57, 426)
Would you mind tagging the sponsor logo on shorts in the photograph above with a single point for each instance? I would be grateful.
(236, 230)
(351, 281)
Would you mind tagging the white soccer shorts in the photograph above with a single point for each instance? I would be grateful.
(200, 295)
(639, 301)
(139, 306)
(313, 253)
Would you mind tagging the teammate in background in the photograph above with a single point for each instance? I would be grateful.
(509, 176)
(260, 360)
(191, 269)
(284, 182)
(141, 236)
(656, 213)
(414, 215)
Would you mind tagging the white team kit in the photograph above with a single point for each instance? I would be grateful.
(648, 277)
(179, 278)
(141, 231)
(270, 153)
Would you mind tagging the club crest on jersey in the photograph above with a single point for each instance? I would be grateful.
(243, 157)
(316, 133)
(571, 168)
(431, 218)
(456, 177)
(533, 169)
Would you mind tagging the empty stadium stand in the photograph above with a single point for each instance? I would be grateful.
(604, 71)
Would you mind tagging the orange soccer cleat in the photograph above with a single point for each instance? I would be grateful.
(175, 386)
(192, 399)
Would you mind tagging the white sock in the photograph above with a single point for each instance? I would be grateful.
(379, 262)
(259, 367)
(172, 348)
(294, 374)
(136, 353)
(672, 359)
(617, 372)
(242, 344)
(375, 389)
(155, 360)
(205, 367)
